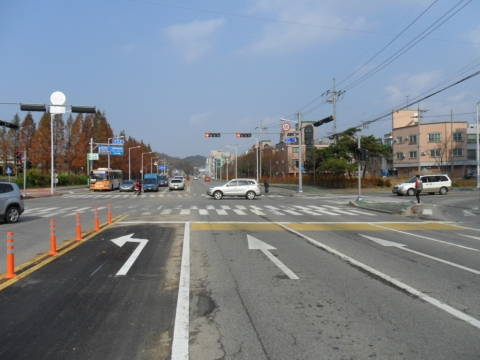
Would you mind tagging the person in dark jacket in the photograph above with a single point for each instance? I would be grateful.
(265, 185)
(418, 188)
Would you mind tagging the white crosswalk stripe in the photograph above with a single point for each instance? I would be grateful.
(222, 210)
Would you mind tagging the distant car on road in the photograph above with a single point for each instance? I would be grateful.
(127, 185)
(162, 180)
(176, 184)
(11, 202)
(247, 188)
(195, 178)
(207, 178)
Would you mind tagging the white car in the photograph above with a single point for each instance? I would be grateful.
(431, 184)
(176, 184)
(247, 188)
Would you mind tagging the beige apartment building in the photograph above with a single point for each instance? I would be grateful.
(429, 147)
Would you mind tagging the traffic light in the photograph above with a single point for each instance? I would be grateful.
(323, 121)
(212, 134)
(83, 109)
(33, 107)
(361, 154)
(19, 158)
(29, 164)
(239, 135)
(9, 125)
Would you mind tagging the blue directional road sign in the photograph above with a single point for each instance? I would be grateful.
(118, 141)
(289, 139)
(9, 171)
(116, 150)
(161, 167)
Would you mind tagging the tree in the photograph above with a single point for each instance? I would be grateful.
(28, 129)
(41, 149)
(68, 141)
(59, 141)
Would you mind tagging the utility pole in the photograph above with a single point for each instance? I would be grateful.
(334, 99)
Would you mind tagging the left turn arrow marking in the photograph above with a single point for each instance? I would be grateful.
(120, 242)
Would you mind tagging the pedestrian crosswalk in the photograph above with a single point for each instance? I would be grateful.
(222, 210)
(143, 195)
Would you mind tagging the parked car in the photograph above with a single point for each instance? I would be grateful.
(247, 188)
(127, 185)
(431, 185)
(162, 180)
(471, 175)
(195, 178)
(11, 202)
(207, 178)
(176, 184)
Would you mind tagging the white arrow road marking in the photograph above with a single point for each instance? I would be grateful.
(120, 242)
(255, 244)
(403, 247)
(457, 313)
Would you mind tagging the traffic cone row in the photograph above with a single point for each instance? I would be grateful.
(53, 240)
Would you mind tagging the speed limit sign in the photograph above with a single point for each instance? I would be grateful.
(285, 126)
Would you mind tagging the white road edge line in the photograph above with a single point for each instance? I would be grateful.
(411, 290)
(181, 329)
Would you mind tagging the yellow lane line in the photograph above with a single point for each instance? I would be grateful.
(69, 245)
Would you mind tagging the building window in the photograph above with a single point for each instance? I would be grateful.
(413, 139)
(400, 156)
(457, 152)
(295, 150)
(435, 153)
(471, 138)
(434, 137)
(399, 140)
(471, 154)
(413, 154)
(457, 136)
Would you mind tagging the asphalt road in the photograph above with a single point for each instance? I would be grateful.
(279, 277)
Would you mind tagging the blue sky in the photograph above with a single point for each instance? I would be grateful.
(168, 71)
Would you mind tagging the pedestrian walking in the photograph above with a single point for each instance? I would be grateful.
(266, 186)
(138, 188)
(418, 188)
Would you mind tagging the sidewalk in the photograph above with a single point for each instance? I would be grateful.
(44, 192)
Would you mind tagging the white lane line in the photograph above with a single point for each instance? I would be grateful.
(185, 212)
(324, 211)
(181, 330)
(257, 212)
(146, 213)
(159, 207)
(459, 314)
(241, 207)
(203, 212)
(274, 210)
(193, 207)
(210, 207)
(239, 212)
(225, 207)
(166, 212)
(80, 210)
(427, 212)
(221, 212)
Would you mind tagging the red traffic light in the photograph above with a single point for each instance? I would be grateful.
(212, 134)
(239, 135)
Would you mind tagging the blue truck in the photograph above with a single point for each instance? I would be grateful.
(150, 182)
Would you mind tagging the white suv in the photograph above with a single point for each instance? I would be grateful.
(247, 188)
(11, 202)
(431, 184)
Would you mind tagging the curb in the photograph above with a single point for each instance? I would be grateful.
(406, 211)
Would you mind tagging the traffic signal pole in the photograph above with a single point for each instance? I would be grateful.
(359, 197)
(300, 163)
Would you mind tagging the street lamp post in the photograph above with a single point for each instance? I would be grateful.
(129, 172)
(151, 167)
(141, 171)
(300, 162)
(108, 143)
(478, 150)
(256, 157)
(236, 159)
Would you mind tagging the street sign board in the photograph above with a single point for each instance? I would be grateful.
(285, 126)
(103, 150)
(289, 139)
(118, 141)
(116, 150)
(161, 167)
(92, 156)
(9, 171)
